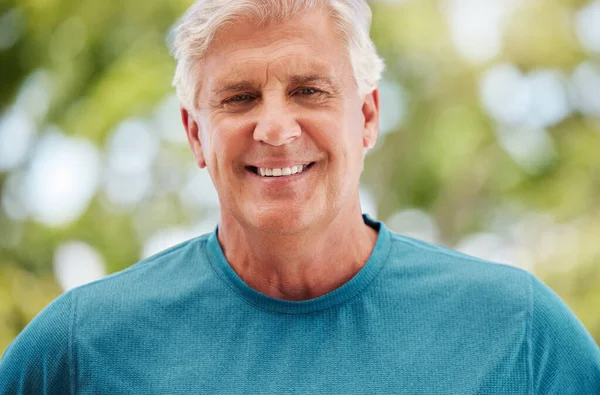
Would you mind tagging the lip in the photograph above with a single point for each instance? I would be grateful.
(279, 164)
(283, 179)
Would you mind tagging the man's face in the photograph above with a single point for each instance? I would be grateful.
(276, 100)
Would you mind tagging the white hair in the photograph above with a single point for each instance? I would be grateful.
(198, 26)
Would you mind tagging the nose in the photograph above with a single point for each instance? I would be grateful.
(277, 125)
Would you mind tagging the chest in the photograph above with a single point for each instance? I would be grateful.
(367, 355)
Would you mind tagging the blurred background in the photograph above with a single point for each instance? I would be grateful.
(489, 142)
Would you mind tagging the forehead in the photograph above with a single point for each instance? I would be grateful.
(307, 43)
(286, 68)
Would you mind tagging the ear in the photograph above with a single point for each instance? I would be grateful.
(370, 110)
(192, 130)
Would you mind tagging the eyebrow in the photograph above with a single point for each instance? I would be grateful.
(312, 79)
(233, 87)
(303, 79)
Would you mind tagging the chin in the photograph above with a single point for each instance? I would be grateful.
(281, 221)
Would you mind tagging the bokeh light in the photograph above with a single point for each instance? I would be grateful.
(77, 263)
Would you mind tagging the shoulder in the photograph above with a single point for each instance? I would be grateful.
(483, 300)
(152, 284)
(163, 271)
(43, 358)
(39, 359)
(177, 258)
(563, 357)
(439, 265)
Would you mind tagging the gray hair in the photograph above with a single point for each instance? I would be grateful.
(198, 26)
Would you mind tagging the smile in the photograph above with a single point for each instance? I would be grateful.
(279, 172)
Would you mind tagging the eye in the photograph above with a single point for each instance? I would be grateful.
(239, 98)
(307, 91)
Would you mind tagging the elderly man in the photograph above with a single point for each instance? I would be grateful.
(296, 291)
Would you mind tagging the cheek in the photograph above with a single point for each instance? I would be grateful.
(337, 134)
(324, 127)
(229, 138)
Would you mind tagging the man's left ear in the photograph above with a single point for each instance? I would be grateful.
(370, 110)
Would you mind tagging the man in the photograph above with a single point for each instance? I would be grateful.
(296, 291)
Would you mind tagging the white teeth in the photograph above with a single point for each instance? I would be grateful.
(286, 171)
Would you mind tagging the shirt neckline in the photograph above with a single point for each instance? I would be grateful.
(345, 292)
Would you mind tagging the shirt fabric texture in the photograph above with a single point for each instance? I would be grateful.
(416, 319)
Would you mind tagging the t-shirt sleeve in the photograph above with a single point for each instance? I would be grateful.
(565, 358)
(38, 360)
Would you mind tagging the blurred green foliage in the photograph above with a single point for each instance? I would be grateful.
(109, 61)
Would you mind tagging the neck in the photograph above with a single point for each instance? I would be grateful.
(298, 266)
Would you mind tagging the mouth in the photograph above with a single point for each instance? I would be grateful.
(265, 172)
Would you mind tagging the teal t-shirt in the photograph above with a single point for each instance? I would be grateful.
(416, 319)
